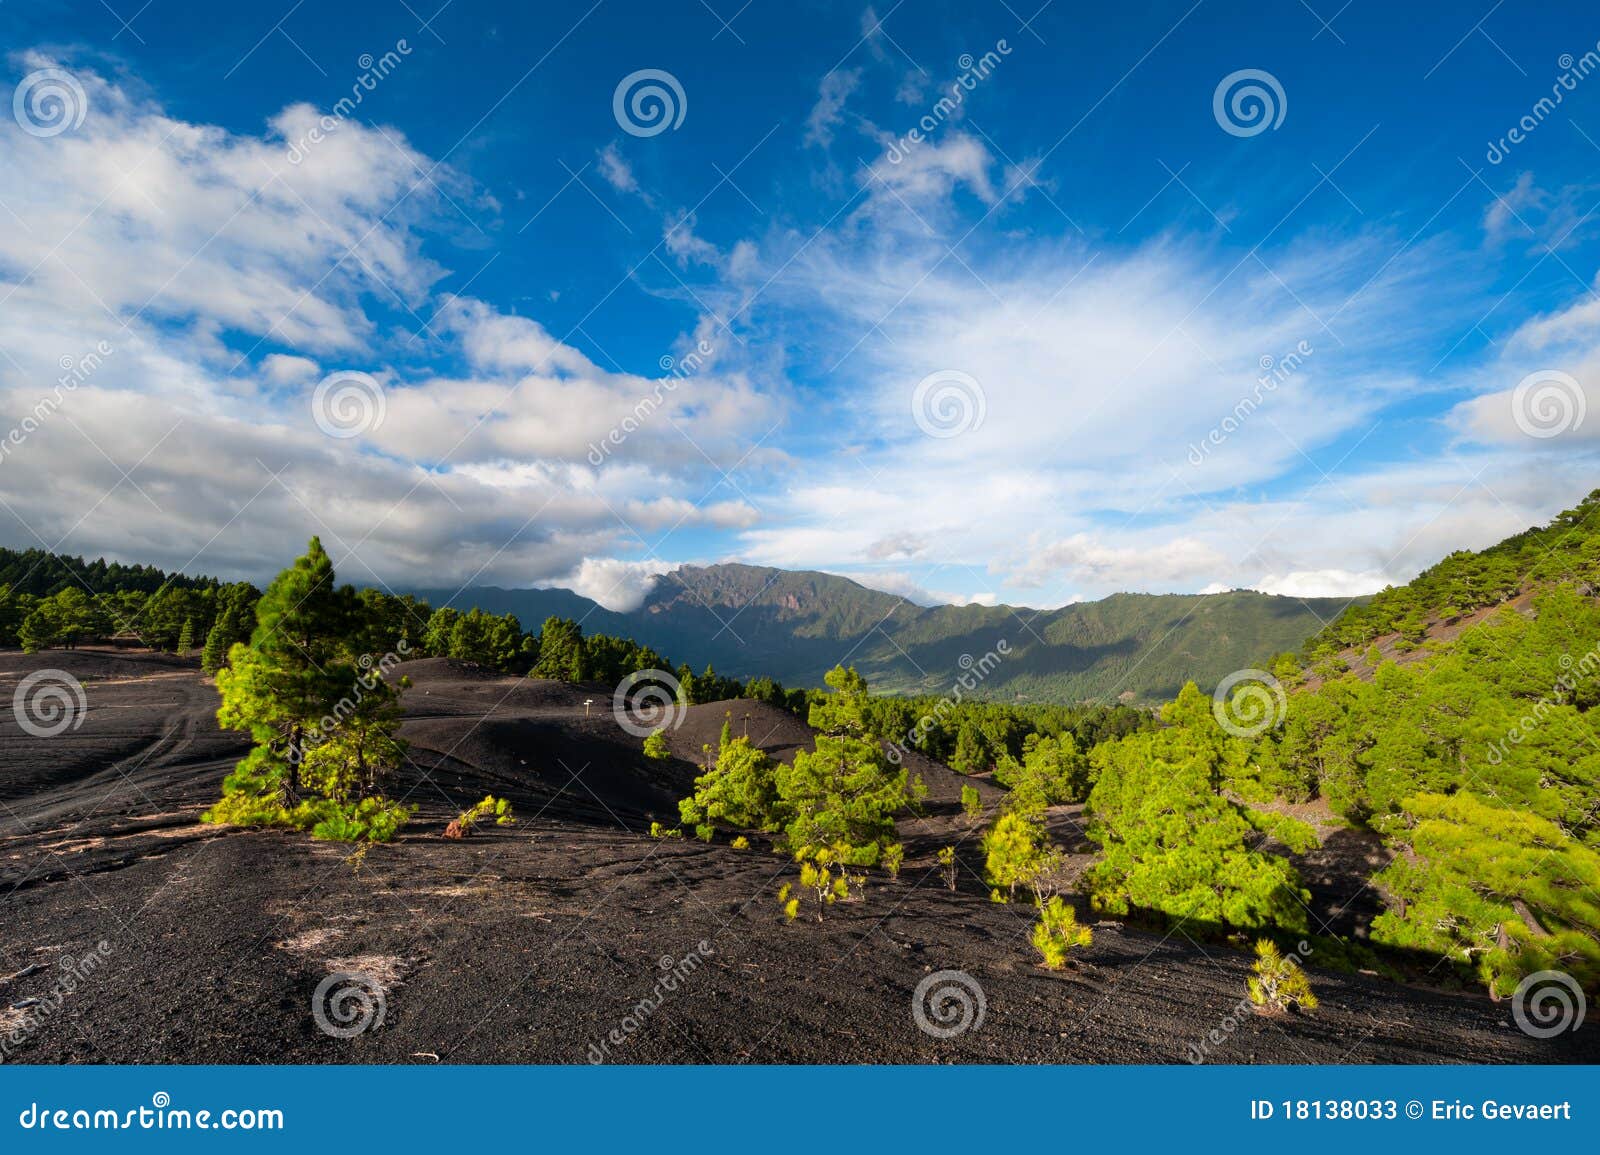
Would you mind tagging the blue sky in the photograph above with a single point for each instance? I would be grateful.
(1093, 326)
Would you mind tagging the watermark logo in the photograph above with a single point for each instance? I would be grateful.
(347, 1003)
(49, 702)
(49, 102)
(674, 972)
(32, 1014)
(1248, 703)
(1573, 70)
(948, 403)
(948, 1003)
(1238, 1015)
(1548, 1003)
(973, 71)
(74, 372)
(373, 71)
(676, 369)
(648, 102)
(975, 672)
(1548, 403)
(1248, 102)
(1274, 372)
(348, 403)
(646, 701)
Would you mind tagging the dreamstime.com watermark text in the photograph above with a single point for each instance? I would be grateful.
(160, 1115)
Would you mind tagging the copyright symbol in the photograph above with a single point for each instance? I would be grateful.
(1413, 1110)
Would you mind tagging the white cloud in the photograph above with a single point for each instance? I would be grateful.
(225, 281)
(1328, 583)
(928, 172)
(615, 169)
(1083, 560)
(617, 585)
(828, 112)
(283, 369)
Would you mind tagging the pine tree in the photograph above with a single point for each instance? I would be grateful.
(1011, 849)
(1175, 839)
(186, 637)
(234, 623)
(288, 677)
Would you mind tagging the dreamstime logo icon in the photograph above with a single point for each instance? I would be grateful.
(948, 403)
(49, 102)
(347, 1004)
(1548, 1003)
(647, 701)
(648, 102)
(948, 1003)
(1248, 703)
(49, 702)
(1548, 403)
(348, 403)
(1248, 102)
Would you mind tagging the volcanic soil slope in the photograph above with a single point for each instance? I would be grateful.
(572, 936)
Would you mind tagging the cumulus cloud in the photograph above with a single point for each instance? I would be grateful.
(223, 279)
(1081, 559)
(1328, 583)
(620, 586)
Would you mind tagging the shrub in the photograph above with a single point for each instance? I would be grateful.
(655, 746)
(491, 807)
(1278, 982)
(370, 820)
(741, 843)
(947, 864)
(659, 831)
(972, 804)
(1057, 932)
(823, 874)
(893, 856)
(1011, 850)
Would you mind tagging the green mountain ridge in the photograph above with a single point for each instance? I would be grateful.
(791, 625)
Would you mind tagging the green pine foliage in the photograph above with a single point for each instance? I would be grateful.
(235, 621)
(739, 792)
(488, 809)
(1277, 981)
(1057, 933)
(1175, 837)
(1051, 772)
(1499, 889)
(1012, 848)
(972, 804)
(1566, 552)
(844, 793)
(322, 722)
(655, 746)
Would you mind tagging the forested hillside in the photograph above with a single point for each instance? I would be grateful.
(794, 626)
(1476, 760)
(1566, 551)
